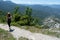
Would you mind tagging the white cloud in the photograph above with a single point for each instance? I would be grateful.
(35, 1)
(4, 0)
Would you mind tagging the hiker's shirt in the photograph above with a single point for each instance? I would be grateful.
(9, 19)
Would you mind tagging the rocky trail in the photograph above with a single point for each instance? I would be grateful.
(17, 33)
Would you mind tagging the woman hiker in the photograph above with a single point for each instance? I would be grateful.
(9, 20)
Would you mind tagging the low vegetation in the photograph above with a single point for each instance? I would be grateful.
(4, 35)
(51, 33)
(35, 29)
(22, 38)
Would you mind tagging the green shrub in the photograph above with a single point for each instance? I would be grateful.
(45, 27)
(16, 17)
(15, 24)
(22, 22)
(2, 19)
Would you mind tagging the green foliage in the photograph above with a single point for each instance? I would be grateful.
(23, 20)
(29, 13)
(16, 9)
(16, 17)
(21, 23)
(45, 27)
(2, 17)
(15, 24)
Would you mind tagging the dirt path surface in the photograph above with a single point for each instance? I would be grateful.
(27, 34)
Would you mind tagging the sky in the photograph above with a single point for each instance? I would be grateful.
(35, 1)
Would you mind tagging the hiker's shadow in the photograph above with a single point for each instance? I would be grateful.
(11, 30)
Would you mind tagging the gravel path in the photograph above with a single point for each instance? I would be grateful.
(27, 34)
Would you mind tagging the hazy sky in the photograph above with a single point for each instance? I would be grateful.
(36, 1)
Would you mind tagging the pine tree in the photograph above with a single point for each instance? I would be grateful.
(16, 14)
(29, 13)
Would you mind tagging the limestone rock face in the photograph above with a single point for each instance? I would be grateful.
(52, 22)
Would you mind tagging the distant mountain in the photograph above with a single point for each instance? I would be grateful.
(55, 6)
(9, 6)
(1, 0)
(38, 10)
(45, 11)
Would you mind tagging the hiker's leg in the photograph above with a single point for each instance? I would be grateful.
(9, 26)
